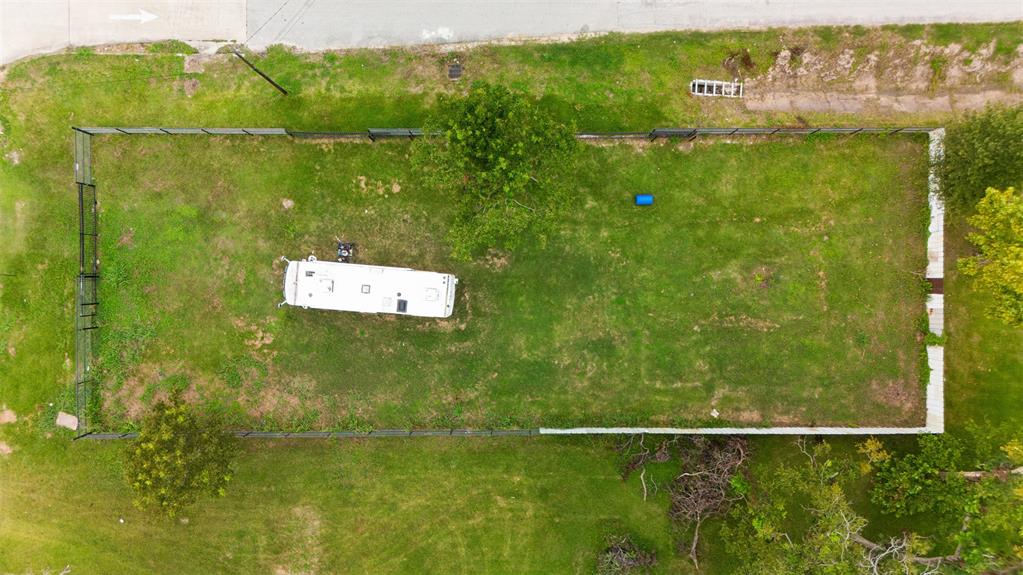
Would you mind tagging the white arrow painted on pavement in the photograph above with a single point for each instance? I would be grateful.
(142, 17)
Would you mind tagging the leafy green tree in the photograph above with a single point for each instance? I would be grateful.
(179, 454)
(799, 519)
(982, 150)
(988, 499)
(918, 482)
(998, 268)
(759, 533)
(505, 159)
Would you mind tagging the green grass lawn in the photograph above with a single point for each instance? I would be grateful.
(401, 506)
(393, 506)
(775, 281)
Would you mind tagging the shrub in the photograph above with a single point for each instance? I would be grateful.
(178, 455)
(501, 154)
(982, 150)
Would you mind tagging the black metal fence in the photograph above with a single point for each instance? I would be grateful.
(352, 434)
(374, 134)
(86, 296)
(86, 292)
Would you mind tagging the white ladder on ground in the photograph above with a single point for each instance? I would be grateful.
(731, 89)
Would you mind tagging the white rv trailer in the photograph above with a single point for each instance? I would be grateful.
(368, 289)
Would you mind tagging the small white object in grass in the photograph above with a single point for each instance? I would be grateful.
(67, 420)
(120, 519)
(714, 413)
(288, 203)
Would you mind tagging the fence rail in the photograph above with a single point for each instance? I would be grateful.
(86, 289)
(350, 434)
(87, 302)
(374, 134)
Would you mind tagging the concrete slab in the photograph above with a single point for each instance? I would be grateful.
(67, 421)
(936, 313)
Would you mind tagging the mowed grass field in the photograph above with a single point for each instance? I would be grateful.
(512, 505)
(776, 281)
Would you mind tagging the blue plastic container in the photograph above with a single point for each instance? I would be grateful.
(644, 199)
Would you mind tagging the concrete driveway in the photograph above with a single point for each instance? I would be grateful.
(37, 26)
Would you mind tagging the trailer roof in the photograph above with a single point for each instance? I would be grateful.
(368, 289)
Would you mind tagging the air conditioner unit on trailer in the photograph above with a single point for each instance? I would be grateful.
(362, 288)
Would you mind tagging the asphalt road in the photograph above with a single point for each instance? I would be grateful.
(316, 24)
(30, 27)
(37, 26)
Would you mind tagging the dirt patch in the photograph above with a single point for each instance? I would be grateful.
(190, 86)
(744, 416)
(5, 449)
(131, 393)
(445, 325)
(496, 260)
(822, 286)
(261, 336)
(305, 552)
(196, 63)
(285, 397)
(894, 393)
(367, 184)
(738, 62)
(8, 416)
(13, 157)
(637, 144)
(127, 238)
(978, 100)
(763, 275)
(905, 77)
(122, 48)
